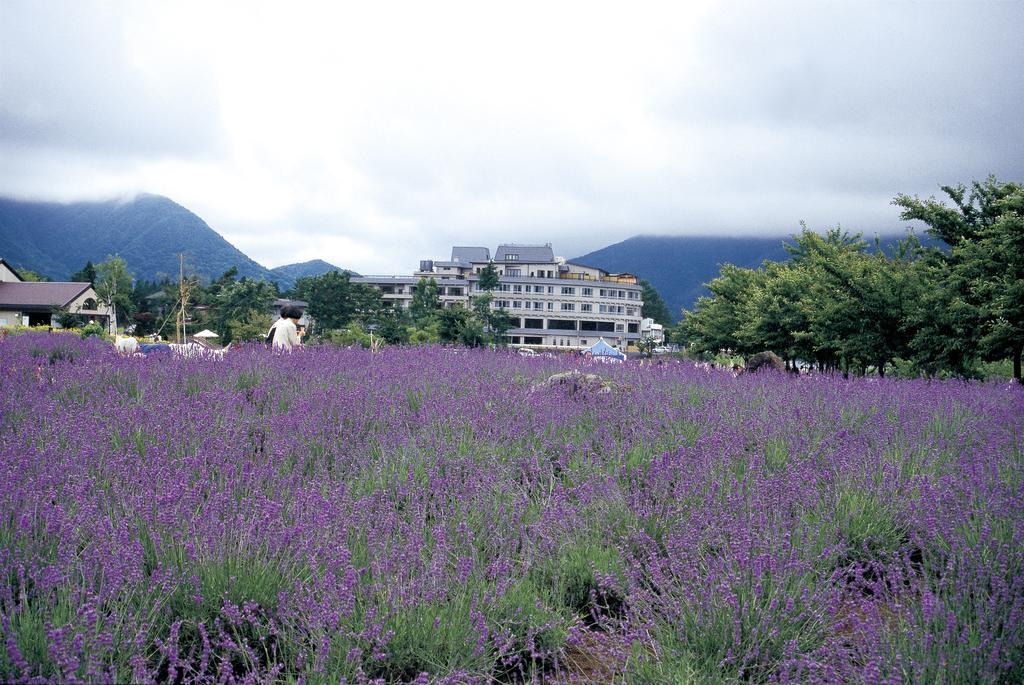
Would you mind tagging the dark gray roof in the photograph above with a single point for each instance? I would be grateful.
(527, 253)
(46, 294)
(465, 255)
(281, 302)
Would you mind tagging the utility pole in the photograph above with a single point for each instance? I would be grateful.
(183, 294)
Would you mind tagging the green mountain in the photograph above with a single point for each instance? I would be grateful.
(679, 266)
(148, 232)
(289, 273)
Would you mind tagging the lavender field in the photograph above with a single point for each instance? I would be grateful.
(431, 515)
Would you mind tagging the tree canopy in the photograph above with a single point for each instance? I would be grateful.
(654, 307)
(843, 303)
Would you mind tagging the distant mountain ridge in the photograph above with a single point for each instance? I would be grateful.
(679, 266)
(314, 267)
(148, 232)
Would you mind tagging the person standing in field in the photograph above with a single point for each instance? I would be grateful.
(284, 334)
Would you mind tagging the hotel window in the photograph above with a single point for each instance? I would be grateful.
(633, 295)
(588, 291)
(511, 258)
(618, 328)
(568, 307)
(513, 272)
(604, 293)
(568, 290)
(538, 305)
(622, 293)
(551, 305)
(517, 304)
(517, 288)
(551, 289)
(586, 307)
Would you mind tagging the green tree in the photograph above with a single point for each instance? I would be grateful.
(237, 307)
(646, 345)
(426, 301)
(87, 274)
(493, 323)
(334, 301)
(654, 307)
(114, 287)
(460, 326)
(489, 280)
(32, 276)
(393, 325)
(252, 326)
(855, 310)
(779, 313)
(717, 321)
(983, 286)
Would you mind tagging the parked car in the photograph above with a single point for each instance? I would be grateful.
(526, 352)
(661, 350)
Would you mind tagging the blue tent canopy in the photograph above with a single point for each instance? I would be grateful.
(603, 349)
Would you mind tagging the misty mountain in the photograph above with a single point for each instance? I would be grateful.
(148, 232)
(679, 266)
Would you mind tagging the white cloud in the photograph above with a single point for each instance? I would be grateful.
(374, 134)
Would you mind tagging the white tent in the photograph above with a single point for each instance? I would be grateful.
(603, 349)
(205, 333)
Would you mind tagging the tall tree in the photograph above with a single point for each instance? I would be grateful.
(114, 287)
(489, 278)
(715, 323)
(458, 325)
(494, 322)
(87, 274)
(779, 313)
(984, 267)
(654, 307)
(426, 301)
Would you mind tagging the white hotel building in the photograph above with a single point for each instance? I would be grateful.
(552, 302)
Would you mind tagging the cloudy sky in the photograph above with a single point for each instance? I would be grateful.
(374, 134)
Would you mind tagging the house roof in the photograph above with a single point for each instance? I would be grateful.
(11, 268)
(46, 294)
(527, 253)
(465, 255)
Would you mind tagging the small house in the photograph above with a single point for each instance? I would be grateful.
(28, 303)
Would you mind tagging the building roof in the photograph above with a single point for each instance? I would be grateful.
(527, 253)
(465, 255)
(4, 262)
(45, 294)
(397, 280)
